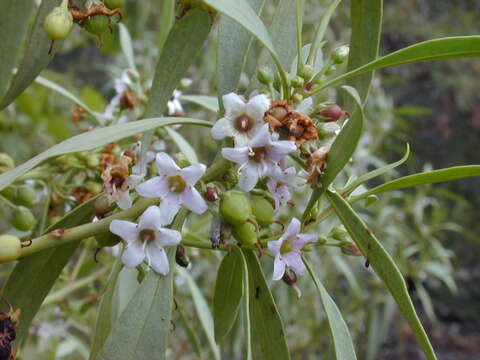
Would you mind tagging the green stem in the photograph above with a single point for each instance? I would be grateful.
(300, 4)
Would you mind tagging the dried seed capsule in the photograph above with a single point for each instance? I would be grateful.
(25, 196)
(235, 207)
(262, 210)
(114, 4)
(245, 234)
(9, 248)
(97, 24)
(59, 22)
(23, 219)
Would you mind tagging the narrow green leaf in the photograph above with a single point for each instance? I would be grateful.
(233, 45)
(35, 57)
(268, 333)
(203, 312)
(283, 30)
(374, 173)
(366, 24)
(208, 102)
(127, 48)
(246, 308)
(383, 265)
(105, 313)
(437, 49)
(339, 334)
(34, 276)
(167, 18)
(94, 139)
(346, 142)
(183, 145)
(228, 293)
(142, 330)
(429, 177)
(14, 18)
(189, 331)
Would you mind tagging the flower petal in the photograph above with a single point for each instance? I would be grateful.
(274, 246)
(278, 268)
(293, 228)
(241, 139)
(168, 237)
(193, 173)
(301, 240)
(134, 254)
(123, 199)
(294, 260)
(261, 138)
(249, 176)
(234, 105)
(166, 165)
(127, 230)
(279, 149)
(156, 187)
(150, 219)
(158, 259)
(223, 128)
(237, 155)
(193, 201)
(257, 106)
(169, 208)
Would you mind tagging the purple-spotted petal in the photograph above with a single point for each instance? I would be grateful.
(158, 259)
(261, 138)
(168, 237)
(134, 254)
(223, 128)
(274, 246)
(294, 260)
(301, 240)
(237, 155)
(279, 149)
(293, 228)
(166, 165)
(127, 230)
(257, 106)
(193, 173)
(169, 207)
(156, 187)
(278, 268)
(234, 105)
(193, 201)
(249, 176)
(150, 219)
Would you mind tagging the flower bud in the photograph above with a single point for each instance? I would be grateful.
(211, 193)
(245, 234)
(307, 72)
(181, 160)
(180, 257)
(340, 54)
(114, 4)
(265, 75)
(93, 187)
(331, 70)
(23, 219)
(59, 22)
(93, 161)
(6, 161)
(10, 247)
(298, 82)
(332, 113)
(25, 196)
(297, 98)
(235, 207)
(339, 233)
(230, 178)
(290, 278)
(97, 24)
(327, 130)
(263, 210)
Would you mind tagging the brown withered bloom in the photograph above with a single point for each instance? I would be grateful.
(81, 195)
(8, 326)
(317, 163)
(296, 126)
(128, 101)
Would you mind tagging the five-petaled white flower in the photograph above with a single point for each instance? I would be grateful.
(259, 158)
(146, 239)
(288, 250)
(242, 120)
(174, 187)
(278, 186)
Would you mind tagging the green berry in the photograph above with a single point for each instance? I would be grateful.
(298, 82)
(235, 207)
(114, 4)
(7, 161)
(262, 210)
(25, 196)
(10, 247)
(307, 72)
(59, 22)
(245, 234)
(97, 24)
(23, 219)
(265, 75)
(340, 54)
(9, 192)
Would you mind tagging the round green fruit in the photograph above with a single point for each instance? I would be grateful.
(58, 23)
(25, 196)
(235, 207)
(114, 4)
(262, 210)
(245, 234)
(97, 24)
(23, 219)
(10, 247)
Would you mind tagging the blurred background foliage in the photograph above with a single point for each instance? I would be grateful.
(429, 231)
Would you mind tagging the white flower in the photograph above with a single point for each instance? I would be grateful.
(121, 85)
(174, 105)
(288, 250)
(260, 158)
(146, 240)
(242, 120)
(278, 186)
(174, 187)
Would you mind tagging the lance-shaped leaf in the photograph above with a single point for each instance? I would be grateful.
(341, 339)
(35, 57)
(383, 265)
(34, 276)
(207, 102)
(437, 49)
(93, 139)
(366, 25)
(228, 293)
(127, 47)
(268, 333)
(429, 177)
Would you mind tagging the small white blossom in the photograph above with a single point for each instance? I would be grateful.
(278, 186)
(259, 158)
(146, 239)
(175, 187)
(242, 119)
(174, 105)
(288, 250)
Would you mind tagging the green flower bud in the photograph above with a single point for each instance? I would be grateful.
(25, 196)
(9, 192)
(307, 72)
(93, 187)
(340, 54)
(10, 247)
(339, 233)
(59, 22)
(181, 160)
(331, 70)
(23, 219)
(97, 24)
(7, 161)
(298, 82)
(265, 75)
(245, 234)
(230, 178)
(297, 98)
(263, 210)
(114, 4)
(235, 207)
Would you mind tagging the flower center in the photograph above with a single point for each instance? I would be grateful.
(258, 153)
(286, 246)
(117, 180)
(243, 123)
(146, 235)
(176, 183)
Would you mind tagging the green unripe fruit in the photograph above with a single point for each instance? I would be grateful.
(245, 234)
(23, 219)
(114, 4)
(340, 54)
(93, 187)
(25, 196)
(7, 161)
(97, 24)
(59, 22)
(297, 98)
(298, 82)
(93, 161)
(235, 207)
(9, 192)
(263, 210)
(265, 75)
(10, 247)
(307, 72)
